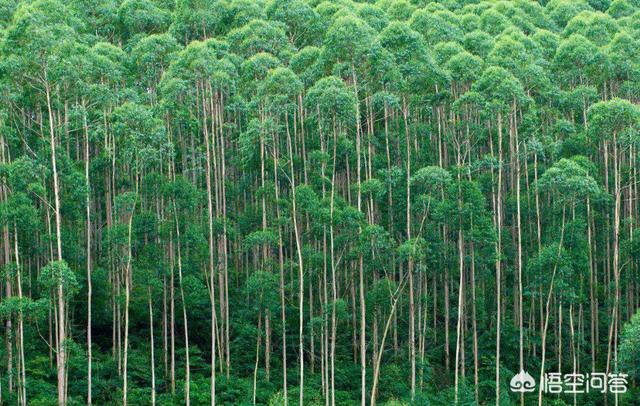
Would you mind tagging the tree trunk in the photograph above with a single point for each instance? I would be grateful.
(127, 292)
(333, 270)
(23, 378)
(89, 282)
(255, 367)
(546, 319)
(61, 358)
(412, 326)
(184, 318)
(151, 345)
(283, 310)
(300, 264)
(211, 259)
(519, 240)
(376, 370)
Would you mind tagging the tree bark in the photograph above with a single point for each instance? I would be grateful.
(61, 353)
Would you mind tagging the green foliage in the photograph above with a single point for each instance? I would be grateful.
(629, 355)
(570, 180)
(260, 177)
(58, 273)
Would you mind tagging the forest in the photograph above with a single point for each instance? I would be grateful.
(308, 202)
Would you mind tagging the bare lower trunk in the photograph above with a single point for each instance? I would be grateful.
(459, 340)
(89, 282)
(548, 302)
(153, 360)
(283, 310)
(61, 354)
(23, 378)
(127, 292)
(255, 367)
(412, 321)
(498, 259)
(333, 274)
(300, 265)
(211, 258)
(376, 370)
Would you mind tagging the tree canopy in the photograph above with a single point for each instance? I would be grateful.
(316, 202)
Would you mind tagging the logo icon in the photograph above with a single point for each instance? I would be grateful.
(522, 382)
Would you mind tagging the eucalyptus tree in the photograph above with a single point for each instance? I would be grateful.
(141, 17)
(373, 15)
(206, 67)
(184, 198)
(21, 185)
(332, 105)
(463, 68)
(561, 11)
(595, 26)
(347, 44)
(94, 94)
(303, 23)
(435, 27)
(260, 36)
(394, 297)
(616, 121)
(628, 348)
(478, 43)
(280, 90)
(206, 168)
(414, 66)
(571, 183)
(142, 141)
(198, 19)
(150, 58)
(36, 45)
(578, 61)
(261, 287)
(502, 92)
(431, 184)
(622, 54)
(507, 49)
(104, 79)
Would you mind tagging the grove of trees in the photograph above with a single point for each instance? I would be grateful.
(288, 202)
